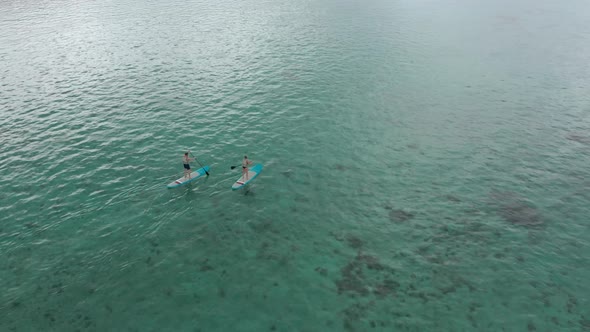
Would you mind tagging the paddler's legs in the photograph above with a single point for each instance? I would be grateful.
(187, 172)
(245, 173)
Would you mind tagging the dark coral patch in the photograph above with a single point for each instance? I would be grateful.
(386, 288)
(578, 138)
(520, 213)
(205, 266)
(453, 198)
(516, 209)
(354, 281)
(354, 314)
(400, 215)
(322, 271)
(354, 242)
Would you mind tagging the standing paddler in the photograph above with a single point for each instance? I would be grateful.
(186, 162)
(245, 163)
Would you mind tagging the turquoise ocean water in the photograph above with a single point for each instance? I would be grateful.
(426, 165)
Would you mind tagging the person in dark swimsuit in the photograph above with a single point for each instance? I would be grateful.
(245, 163)
(187, 167)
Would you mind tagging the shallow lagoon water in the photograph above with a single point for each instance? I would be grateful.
(426, 166)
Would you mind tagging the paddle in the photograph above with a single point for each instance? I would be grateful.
(199, 163)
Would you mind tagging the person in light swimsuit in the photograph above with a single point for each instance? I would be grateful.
(245, 163)
(187, 167)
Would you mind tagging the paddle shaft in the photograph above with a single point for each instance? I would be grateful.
(199, 163)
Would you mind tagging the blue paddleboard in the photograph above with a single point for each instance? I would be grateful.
(194, 175)
(252, 174)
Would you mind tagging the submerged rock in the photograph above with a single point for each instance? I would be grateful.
(354, 280)
(520, 213)
(322, 271)
(453, 198)
(516, 209)
(400, 215)
(387, 287)
(354, 242)
(578, 138)
(354, 314)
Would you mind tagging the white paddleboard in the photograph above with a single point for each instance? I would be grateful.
(184, 180)
(252, 174)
